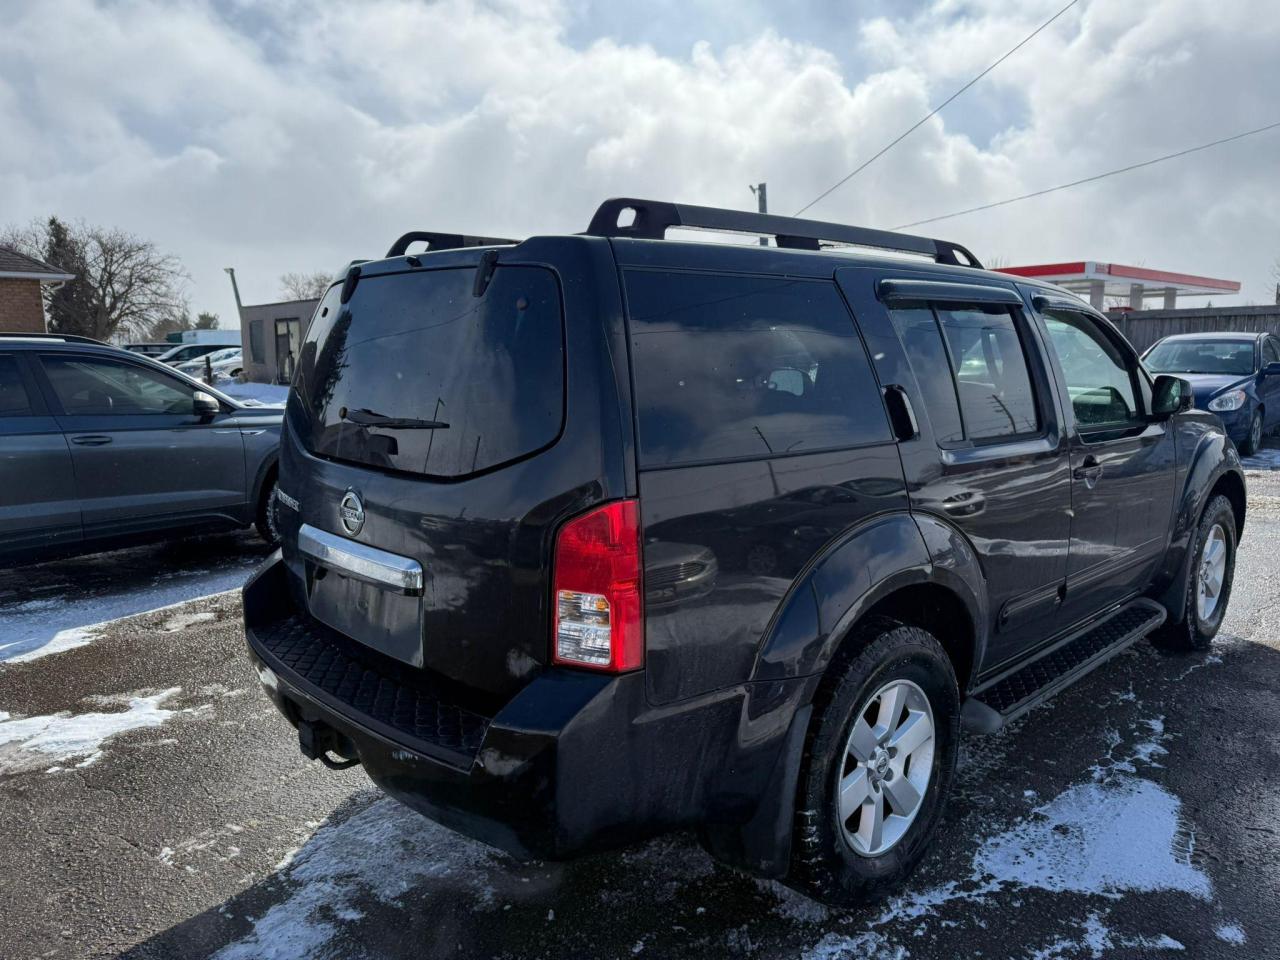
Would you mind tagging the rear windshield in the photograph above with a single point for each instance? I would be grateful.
(416, 374)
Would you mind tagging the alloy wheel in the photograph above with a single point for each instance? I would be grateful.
(1212, 573)
(888, 763)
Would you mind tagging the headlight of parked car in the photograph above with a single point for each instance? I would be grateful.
(1231, 400)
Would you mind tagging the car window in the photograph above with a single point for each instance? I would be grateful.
(14, 401)
(990, 366)
(1269, 352)
(733, 367)
(1229, 357)
(921, 338)
(98, 387)
(1098, 377)
(417, 373)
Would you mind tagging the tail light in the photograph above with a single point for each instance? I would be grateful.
(599, 613)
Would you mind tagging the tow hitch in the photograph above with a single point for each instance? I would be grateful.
(317, 741)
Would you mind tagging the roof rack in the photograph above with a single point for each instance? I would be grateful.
(62, 337)
(653, 218)
(444, 241)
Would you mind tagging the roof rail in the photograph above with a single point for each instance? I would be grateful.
(444, 241)
(653, 218)
(63, 337)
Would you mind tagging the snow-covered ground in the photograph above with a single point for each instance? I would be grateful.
(266, 394)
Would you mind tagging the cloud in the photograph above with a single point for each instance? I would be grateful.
(285, 137)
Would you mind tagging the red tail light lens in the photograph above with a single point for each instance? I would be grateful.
(599, 611)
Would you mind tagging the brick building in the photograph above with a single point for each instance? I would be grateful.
(21, 304)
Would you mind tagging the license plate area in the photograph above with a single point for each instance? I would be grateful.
(369, 595)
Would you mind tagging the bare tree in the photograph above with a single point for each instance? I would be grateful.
(305, 286)
(123, 285)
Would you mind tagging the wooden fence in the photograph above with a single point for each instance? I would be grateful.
(1145, 327)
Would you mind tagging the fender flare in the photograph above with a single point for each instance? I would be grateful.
(857, 570)
(1213, 458)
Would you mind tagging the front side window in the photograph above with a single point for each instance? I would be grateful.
(1098, 377)
(735, 367)
(1269, 352)
(91, 387)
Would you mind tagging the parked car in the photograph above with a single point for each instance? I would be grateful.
(185, 352)
(1235, 375)
(227, 362)
(105, 448)
(969, 496)
(149, 349)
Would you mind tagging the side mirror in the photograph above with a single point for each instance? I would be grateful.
(1272, 368)
(205, 406)
(1170, 395)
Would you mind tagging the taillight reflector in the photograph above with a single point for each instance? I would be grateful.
(598, 618)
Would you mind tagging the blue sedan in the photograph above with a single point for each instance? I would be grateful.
(1235, 375)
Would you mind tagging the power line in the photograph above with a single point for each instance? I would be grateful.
(934, 112)
(1098, 176)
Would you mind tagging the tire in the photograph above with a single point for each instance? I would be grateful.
(1254, 440)
(267, 520)
(1200, 622)
(833, 858)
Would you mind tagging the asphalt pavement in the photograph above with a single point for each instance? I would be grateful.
(153, 804)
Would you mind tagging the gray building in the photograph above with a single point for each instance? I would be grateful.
(271, 334)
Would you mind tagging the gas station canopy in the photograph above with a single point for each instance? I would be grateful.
(1094, 280)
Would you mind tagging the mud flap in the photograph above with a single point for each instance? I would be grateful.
(762, 845)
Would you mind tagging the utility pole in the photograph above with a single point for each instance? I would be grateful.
(231, 272)
(762, 201)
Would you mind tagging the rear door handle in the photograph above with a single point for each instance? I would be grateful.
(901, 416)
(91, 440)
(1089, 470)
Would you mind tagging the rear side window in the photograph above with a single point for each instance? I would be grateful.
(731, 367)
(417, 374)
(14, 401)
(992, 381)
(971, 368)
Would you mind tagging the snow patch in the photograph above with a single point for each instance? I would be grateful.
(1231, 933)
(1097, 941)
(29, 744)
(1103, 839)
(33, 630)
(183, 620)
(864, 946)
(256, 394)
(379, 854)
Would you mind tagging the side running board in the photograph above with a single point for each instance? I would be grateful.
(1010, 695)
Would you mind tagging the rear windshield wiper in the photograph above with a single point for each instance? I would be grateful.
(368, 418)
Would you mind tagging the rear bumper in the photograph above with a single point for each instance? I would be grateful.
(574, 763)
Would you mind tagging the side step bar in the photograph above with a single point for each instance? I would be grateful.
(1010, 695)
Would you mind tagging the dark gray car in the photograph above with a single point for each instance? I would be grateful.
(101, 447)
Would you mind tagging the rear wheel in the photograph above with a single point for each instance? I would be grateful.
(878, 765)
(267, 520)
(1209, 577)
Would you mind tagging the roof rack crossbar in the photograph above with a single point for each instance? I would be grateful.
(653, 218)
(444, 241)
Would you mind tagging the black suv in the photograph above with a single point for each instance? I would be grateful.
(598, 536)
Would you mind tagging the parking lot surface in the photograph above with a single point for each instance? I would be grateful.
(152, 803)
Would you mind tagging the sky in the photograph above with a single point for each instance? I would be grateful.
(284, 136)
